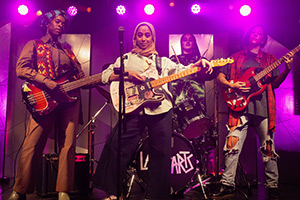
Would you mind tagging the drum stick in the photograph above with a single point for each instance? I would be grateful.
(175, 55)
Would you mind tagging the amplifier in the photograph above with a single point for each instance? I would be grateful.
(48, 173)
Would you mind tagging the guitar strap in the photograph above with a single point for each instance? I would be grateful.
(44, 63)
(158, 64)
(46, 69)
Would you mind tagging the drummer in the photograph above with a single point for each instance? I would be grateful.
(190, 88)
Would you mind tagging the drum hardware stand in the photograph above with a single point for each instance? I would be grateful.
(131, 179)
(241, 177)
(199, 179)
(216, 128)
(91, 125)
(131, 182)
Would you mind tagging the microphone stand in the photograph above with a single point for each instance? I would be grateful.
(121, 73)
(216, 127)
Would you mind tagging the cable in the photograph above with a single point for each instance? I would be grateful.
(18, 151)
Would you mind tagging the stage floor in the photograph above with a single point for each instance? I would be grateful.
(255, 192)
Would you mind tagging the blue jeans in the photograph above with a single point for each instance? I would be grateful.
(232, 155)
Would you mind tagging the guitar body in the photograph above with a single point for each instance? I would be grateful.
(40, 102)
(135, 95)
(238, 101)
(253, 77)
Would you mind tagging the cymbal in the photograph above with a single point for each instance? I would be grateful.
(103, 92)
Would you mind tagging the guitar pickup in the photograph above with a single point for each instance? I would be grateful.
(31, 99)
(131, 91)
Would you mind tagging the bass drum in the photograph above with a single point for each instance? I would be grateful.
(183, 161)
(191, 120)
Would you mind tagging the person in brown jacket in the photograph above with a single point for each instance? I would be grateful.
(40, 62)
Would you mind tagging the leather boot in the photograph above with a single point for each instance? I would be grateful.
(17, 196)
(63, 196)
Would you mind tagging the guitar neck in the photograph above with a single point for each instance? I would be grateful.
(173, 77)
(275, 64)
(82, 82)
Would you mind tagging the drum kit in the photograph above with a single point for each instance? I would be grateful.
(193, 138)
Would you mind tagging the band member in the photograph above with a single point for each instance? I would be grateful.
(141, 63)
(260, 112)
(40, 62)
(192, 87)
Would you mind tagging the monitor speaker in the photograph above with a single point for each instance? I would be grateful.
(48, 173)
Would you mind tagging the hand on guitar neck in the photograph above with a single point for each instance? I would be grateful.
(205, 64)
(50, 84)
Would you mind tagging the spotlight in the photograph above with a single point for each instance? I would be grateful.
(245, 10)
(171, 3)
(149, 9)
(195, 9)
(23, 10)
(89, 9)
(39, 13)
(72, 10)
(121, 10)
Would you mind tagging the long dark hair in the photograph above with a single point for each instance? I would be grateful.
(195, 46)
(247, 36)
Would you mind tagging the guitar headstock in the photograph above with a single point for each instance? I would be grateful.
(221, 62)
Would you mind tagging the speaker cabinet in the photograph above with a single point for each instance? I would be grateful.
(48, 173)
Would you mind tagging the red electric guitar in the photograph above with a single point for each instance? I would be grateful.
(41, 102)
(236, 100)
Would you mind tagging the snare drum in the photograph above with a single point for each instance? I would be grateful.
(191, 119)
(183, 161)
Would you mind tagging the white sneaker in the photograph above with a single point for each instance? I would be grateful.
(63, 196)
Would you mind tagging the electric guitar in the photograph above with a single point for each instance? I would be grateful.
(150, 90)
(40, 101)
(237, 100)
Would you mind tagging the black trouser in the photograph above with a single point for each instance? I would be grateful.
(159, 131)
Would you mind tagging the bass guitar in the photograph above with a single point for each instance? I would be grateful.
(237, 100)
(150, 90)
(40, 101)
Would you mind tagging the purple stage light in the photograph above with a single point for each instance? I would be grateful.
(72, 10)
(245, 10)
(149, 9)
(121, 10)
(23, 10)
(195, 9)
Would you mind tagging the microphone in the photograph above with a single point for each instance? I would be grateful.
(121, 33)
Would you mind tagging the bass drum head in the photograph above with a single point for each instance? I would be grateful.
(183, 161)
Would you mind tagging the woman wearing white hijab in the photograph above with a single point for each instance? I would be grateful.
(141, 64)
